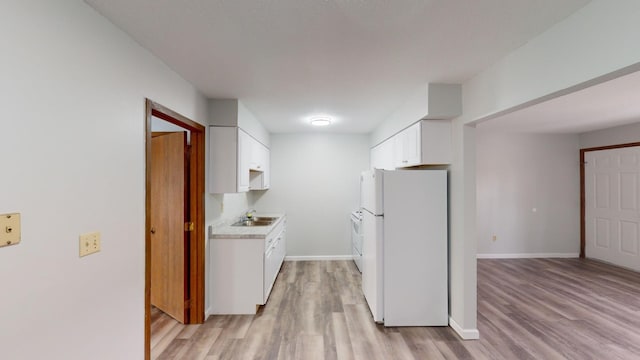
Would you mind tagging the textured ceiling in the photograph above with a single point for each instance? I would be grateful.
(356, 60)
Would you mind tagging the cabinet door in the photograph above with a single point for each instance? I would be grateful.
(269, 264)
(412, 153)
(244, 156)
(398, 150)
(236, 275)
(436, 142)
(223, 160)
(273, 258)
(281, 250)
(260, 171)
(375, 156)
(408, 147)
(266, 167)
(257, 155)
(383, 155)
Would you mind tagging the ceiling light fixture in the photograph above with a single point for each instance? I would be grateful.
(321, 121)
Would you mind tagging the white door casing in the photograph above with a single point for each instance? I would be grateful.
(612, 206)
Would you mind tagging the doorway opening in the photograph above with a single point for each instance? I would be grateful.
(174, 230)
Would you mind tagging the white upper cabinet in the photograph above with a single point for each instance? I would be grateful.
(266, 171)
(382, 155)
(259, 156)
(435, 141)
(245, 142)
(427, 142)
(237, 161)
(407, 147)
(259, 166)
(229, 157)
(238, 149)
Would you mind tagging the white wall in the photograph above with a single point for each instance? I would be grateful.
(315, 180)
(612, 136)
(248, 122)
(428, 101)
(462, 237)
(222, 207)
(72, 131)
(517, 173)
(588, 47)
(232, 112)
(161, 125)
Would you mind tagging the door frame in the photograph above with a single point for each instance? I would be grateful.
(582, 188)
(196, 196)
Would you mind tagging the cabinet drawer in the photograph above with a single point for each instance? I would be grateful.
(273, 235)
(273, 258)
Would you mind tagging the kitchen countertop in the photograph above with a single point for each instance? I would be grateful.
(226, 231)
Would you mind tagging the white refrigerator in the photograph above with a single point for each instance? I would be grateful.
(404, 251)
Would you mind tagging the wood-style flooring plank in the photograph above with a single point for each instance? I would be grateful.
(310, 347)
(165, 342)
(342, 340)
(527, 309)
(200, 343)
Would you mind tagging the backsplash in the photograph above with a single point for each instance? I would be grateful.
(222, 207)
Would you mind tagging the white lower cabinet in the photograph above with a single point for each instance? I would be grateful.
(243, 270)
(273, 259)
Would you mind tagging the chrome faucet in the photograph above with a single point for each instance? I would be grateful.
(249, 214)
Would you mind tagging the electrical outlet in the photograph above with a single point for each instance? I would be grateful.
(9, 229)
(89, 243)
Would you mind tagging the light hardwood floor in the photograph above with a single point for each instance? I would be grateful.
(527, 309)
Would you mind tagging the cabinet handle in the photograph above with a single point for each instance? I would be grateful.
(153, 230)
(405, 161)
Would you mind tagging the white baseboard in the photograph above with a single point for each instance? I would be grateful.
(318, 258)
(465, 334)
(528, 256)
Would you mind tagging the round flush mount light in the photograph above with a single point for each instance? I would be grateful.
(321, 121)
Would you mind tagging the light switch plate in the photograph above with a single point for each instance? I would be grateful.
(89, 243)
(9, 229)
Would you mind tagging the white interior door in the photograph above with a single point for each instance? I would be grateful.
(612, 199)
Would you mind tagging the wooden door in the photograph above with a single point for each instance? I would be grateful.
(169, 251)
(612, 206)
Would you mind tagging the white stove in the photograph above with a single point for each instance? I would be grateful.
(356, 238)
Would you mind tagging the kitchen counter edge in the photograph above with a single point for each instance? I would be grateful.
(226, 231)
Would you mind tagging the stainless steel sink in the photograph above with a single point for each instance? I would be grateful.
(264, 218)
(255, 222)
